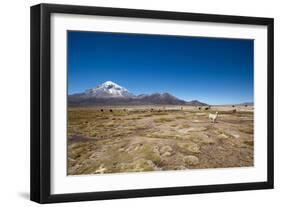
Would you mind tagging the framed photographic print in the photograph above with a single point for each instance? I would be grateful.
(133, 103)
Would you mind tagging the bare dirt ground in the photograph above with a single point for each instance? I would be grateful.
(149, 138)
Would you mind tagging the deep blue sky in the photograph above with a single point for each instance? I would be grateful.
(211, 70)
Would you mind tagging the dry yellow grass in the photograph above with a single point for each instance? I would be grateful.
(138, 139)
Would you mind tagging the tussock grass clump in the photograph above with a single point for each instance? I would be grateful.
(183, 126)
(163, 119)
(247, 130)
(201, 138)
(189, 147)
(163, 135)
(249, 142)
(147, 151)
(147, 115)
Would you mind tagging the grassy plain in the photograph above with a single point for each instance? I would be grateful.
(154, 138)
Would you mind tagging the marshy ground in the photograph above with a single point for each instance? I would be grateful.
(133, 139)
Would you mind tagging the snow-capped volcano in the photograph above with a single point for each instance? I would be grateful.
(108, 89)
(111, 94)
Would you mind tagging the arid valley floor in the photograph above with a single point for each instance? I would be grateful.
(133, 139)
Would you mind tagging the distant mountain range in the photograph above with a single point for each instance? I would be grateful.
(247, 103)
(110, 93)
(237, 104)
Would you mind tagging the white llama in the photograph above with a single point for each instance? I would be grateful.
(213, 117)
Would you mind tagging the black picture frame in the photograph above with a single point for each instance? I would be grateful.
(41, 97)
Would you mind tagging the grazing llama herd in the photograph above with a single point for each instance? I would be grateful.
(212, 117)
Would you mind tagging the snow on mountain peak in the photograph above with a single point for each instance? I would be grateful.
(110, 83)
(108, 89)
